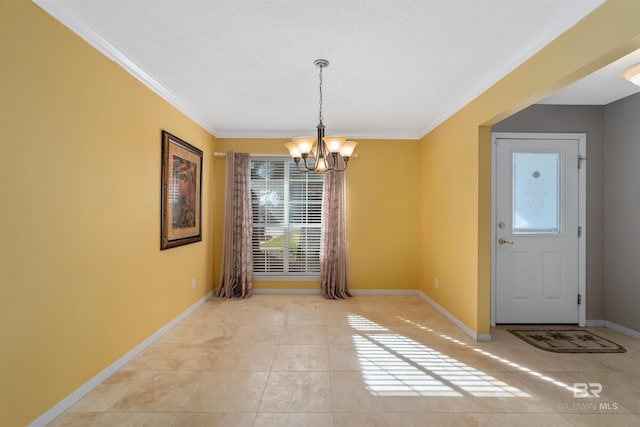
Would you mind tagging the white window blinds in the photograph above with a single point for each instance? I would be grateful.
(287, 209)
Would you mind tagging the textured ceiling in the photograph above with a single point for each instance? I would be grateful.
(245, 68)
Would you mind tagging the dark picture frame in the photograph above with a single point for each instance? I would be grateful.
(181, 218)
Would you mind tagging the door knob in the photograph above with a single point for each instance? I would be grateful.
(502, 241)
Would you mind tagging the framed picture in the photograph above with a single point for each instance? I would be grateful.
(181, 192)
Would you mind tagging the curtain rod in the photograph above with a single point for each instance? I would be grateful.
(219, 154)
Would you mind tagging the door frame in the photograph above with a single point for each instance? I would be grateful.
(582, 211)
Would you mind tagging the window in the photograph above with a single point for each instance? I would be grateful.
(287, 211)
(536, 193)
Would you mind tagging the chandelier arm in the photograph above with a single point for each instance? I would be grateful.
(308, 169)
(335, 162)
(332, 163)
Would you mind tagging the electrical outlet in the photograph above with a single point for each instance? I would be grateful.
(193, 283)
(437, 282)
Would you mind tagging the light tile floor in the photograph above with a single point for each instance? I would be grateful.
(371, 360)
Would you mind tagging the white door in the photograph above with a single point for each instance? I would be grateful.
(537, 230)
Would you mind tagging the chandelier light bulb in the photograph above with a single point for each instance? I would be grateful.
(322, 165)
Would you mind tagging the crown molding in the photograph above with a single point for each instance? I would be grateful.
(287, 134)
(88, 34)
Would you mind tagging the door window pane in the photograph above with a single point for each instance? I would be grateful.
(536, 193)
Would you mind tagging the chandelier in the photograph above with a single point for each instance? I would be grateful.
(331, 152)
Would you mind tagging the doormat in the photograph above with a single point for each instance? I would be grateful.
(567, 341)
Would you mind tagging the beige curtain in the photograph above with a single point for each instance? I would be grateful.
(236, 278)
(333, 255)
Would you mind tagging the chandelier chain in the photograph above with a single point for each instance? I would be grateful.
(320, 113)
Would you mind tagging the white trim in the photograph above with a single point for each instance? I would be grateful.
(384, 291)
(582, 212)
(286, 291)
(582, 222)
(70, 20)
(275, 155)
(75, 24)
(455, 320)
(267, 278)
(622, 329)
(68, 401)
(352, 291)
(494, 203)
(291, 133)
(596, 323)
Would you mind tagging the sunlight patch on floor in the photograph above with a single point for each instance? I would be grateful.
(498, 358)
(394, 365)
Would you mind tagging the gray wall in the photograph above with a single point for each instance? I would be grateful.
(622, 214)
(577, 119)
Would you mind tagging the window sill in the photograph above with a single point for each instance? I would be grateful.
(289, 278)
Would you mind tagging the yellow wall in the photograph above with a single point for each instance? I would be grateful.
(455, 240)
(82, 277)
(382, 212)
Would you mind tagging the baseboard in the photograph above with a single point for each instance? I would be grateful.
(68, 401)
(455, 320)
(596, 323)
(383, 291)
(622, 329)
(353, 291)
(283, 291)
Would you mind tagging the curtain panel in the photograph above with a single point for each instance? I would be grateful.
(333, 255)
(236, 277)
